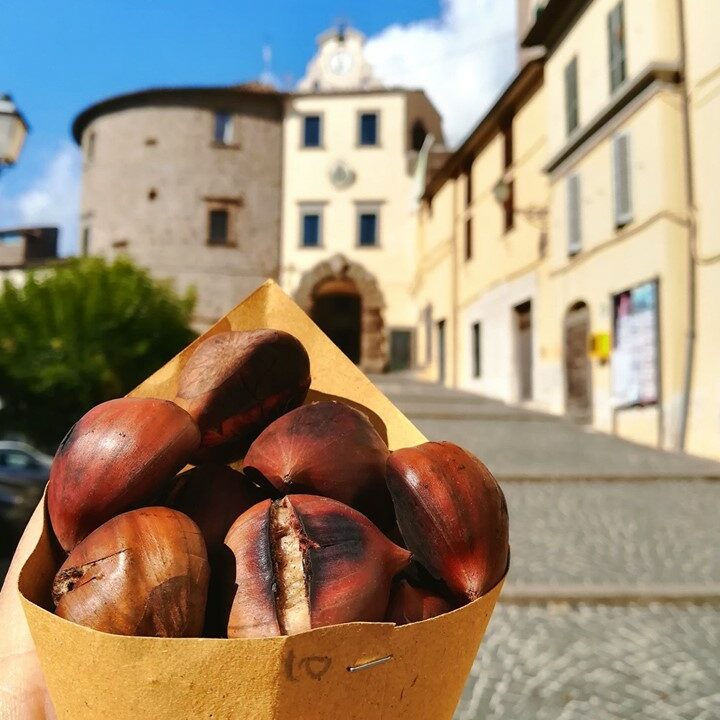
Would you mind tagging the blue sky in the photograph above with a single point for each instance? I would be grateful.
(57, 57)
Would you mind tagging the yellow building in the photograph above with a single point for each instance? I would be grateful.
(613, 317)
(480, 244)
(350, 152)
(703, 88)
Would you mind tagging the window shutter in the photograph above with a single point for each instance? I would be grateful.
(621, 163)
(616, 44)
(573, 215)
(571, 96)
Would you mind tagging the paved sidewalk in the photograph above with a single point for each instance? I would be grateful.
(516, 442)
(600, 530)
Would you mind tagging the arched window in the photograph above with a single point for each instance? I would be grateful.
(417, 135)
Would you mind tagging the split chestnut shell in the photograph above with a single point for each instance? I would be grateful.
(120, 455)
(236, 383)
(304, 562)
(452, 514)
(143, 573)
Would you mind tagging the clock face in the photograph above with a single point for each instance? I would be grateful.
(341, 62)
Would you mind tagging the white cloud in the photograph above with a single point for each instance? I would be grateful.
(461, 60)
(52, 199)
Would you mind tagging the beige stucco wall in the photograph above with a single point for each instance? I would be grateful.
(184, 167)
(704, 90)
(652, 246)
(382, 175)
(651, 37)
(434, 281)
(503, 270)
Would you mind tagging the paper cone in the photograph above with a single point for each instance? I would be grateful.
(362, 671)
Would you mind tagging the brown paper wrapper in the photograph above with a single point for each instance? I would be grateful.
(362, 671)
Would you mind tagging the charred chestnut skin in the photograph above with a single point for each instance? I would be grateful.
(120, 455)
(236, 383)
(409, 604)
(143, 573)
(452, 514)
(347, 566)
(326, 448)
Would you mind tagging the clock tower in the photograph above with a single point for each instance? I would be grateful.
(339, 64)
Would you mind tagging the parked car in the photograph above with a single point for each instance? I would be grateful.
(24, 471)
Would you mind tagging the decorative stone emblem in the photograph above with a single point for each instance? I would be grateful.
(341, 174)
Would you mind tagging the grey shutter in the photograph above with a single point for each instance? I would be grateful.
(621, 172)
(616, 44)
(571, 95)
(573, 215)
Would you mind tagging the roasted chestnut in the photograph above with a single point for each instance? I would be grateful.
(452, 514)
(306, 561)
(236, 383)
(144, 572)
(120, 455)
(329, 449)
(410, 604)
(213, 496)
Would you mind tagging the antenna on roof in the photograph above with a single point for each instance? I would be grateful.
(267, 75)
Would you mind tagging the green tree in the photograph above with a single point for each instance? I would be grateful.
(77, 335)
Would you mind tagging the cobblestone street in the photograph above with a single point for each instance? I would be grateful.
(612, 605)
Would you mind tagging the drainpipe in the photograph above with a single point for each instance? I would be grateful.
(692, 235)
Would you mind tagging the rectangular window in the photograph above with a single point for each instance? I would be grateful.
(428, 322)
(621, 180)
(468, 186)
(311, 131)
(85, 249)
(219, 227)
(574, 219)
(368, 130)
(311, 221)
(368, 231)
(223, 128)
(616, 46)
(90, 151)
(509, 207)
(476, 349)
(571, 95)
(468, 239)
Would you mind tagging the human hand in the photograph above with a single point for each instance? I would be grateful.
(23, 693)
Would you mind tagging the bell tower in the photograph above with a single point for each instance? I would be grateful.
(339, 64)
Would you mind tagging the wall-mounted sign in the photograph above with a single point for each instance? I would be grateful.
(635, 375)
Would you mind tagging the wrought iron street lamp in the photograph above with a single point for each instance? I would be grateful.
(537, 216)
(13, 130)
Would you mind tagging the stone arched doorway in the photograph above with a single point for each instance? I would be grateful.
(578, 372)
(337, 311)
(345, 301)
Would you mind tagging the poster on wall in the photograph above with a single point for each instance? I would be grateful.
(635, 346)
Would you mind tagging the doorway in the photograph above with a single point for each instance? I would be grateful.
(401, 342)
(337, 311)
(524, 341)
(442, 370)
(578, 372)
